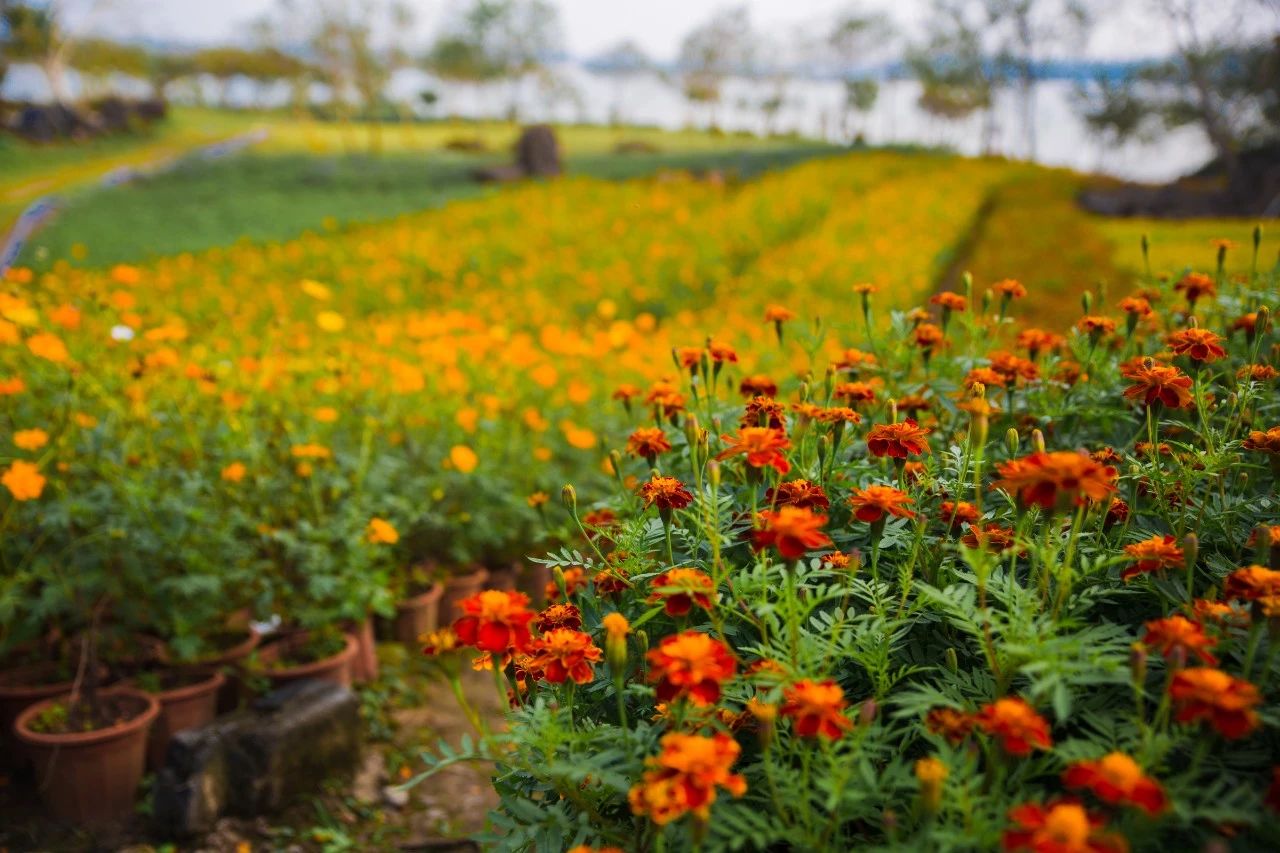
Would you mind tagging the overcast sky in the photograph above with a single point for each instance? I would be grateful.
(593, 25)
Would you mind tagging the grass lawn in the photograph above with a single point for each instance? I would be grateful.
(300, 179)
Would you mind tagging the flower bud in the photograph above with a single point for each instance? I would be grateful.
(616, 629)
(867, 712)
(569, 495)
(1011, 441)
(1190, 551)
(966, 283)
(713, 474)
(1037, 440)
(1138, 664)
(766, 716)
(931, 773)
(1086, 301)
(950, 657)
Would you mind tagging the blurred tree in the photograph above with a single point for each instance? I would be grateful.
(163, 69)
(622, 62)
(956, 80)
(723, 45)
(97, 59)
(1224, 78)
(36, 34)
(497, 40)
(856, 38)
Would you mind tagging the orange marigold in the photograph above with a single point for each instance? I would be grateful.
(565, 654)
(1197, 344)
(957, 513)
(950, 723)
(1017, 724)
(1158, 383)
(648, 443)
(1152, 555)
(763, 447)
(23, 480)
(949, 300)
(1226, 702)
(817, 708)
(495, 621)
(666, 493)
(559, 616)
(691, 665)
(1251, 584)
(758, 386)
(798, 493)
(1264, 442)
(898, 441)
(1195, 285)
(1178, 634)
(875, 502)
(792, 530)
(681, 589)
(1062, 826)
(685, 776)
(1117, 779)
(1010, 289)
(1056, 480)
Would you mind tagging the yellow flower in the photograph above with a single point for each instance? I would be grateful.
(463, 458)
(316, 290)
(23, 480)
(234, 472)
(30, 439)
(579, 437)
(325, 414)
(331, 321)
(49, 347)
(381, 532)
(537, 499)
(311, 451)
(84, 420)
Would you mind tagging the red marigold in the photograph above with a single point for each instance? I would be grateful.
(691, 665)
(950, 723)
(648, 443)
(855, 392)
(838, 415)
(665, 493)
(1158, 383)
(764, 412)
(1178, 634)
(900, 440)
(681, 589)
(928, 336)
(685, 776)
(989, 537)
(957, 513)
(1197, 344)
(1195, 285)
(798, 493)
(763, 447)
(495, 621)
(1257, 372)
(1251, 584)
(817, 707)
(875, 502)
(792, 530)
(559, 616)
(563, 653)
(1264, 442)
(1062, 826)
(1226, 702)
(1017, 724)
(1057, 479)
(721, 352)
(1136, 306)
(1117, 779)
(1152, 555)
(758, 386)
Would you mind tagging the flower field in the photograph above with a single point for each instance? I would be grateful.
(846, 560)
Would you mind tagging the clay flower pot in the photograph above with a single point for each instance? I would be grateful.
(90, 778)
(182, 708)
(364, 666)
(533, 580)
(504, 577)
(458, 587)
(335, 669)
(20, 688)
(229, 661)
(417, 615)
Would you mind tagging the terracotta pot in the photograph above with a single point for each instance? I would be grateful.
(533, 581)
(418, 615)
(364, 666)
(504, 577)
(20, 688)
(458, 587)
(230, 661)
(90, 777)
(182, 708)
(335, 669)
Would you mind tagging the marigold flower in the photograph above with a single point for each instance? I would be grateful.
(1096, 326)
(625, 392)
(838, 415)
(1062, 826)
(950, 723)
(1195, 285)
(1197, 344)
(958, 513)
(681, 589)
(583, 848)
(837, 560)
(875, 502)
(49, 347)
(381, 532)
(758, 386)
(855, 392)
(1178, 634)
(235, 472)
(989, 537)
(1264, 442)
(792, 530)
(559, 616)
(30, 439)
(1136, 306)
(566, 654)
(898, 441)
(615, 625)
(1152, 555)
(1055, 480)
(537, 499)
(1251, 584)
(928, 337)
(986, 376)
(689, 357)
(495, 621)
(648, 443)
(684, 777)
(12, 385)
(817, 709)
(575, 580)
(721, 352)
(853, 358)
(865, 288)
(1252, 372)
(949, 300)
(777, 314)
(1036, 341)
(798, 493)
(691, 665)
(1017, 724)
(1010, 289)
(1013, 367)
(931, 773)
(764, 412)
(311, 451)
(23, 480)
(1226, 702)
(438, 642)
(666, 493)
(1158, 383)
(1117, 779)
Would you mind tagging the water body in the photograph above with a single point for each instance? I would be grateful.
(814, 108)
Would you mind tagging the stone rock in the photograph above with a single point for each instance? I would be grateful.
(395, 796)
(538, 152)
(499, 174)
(259, 760)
